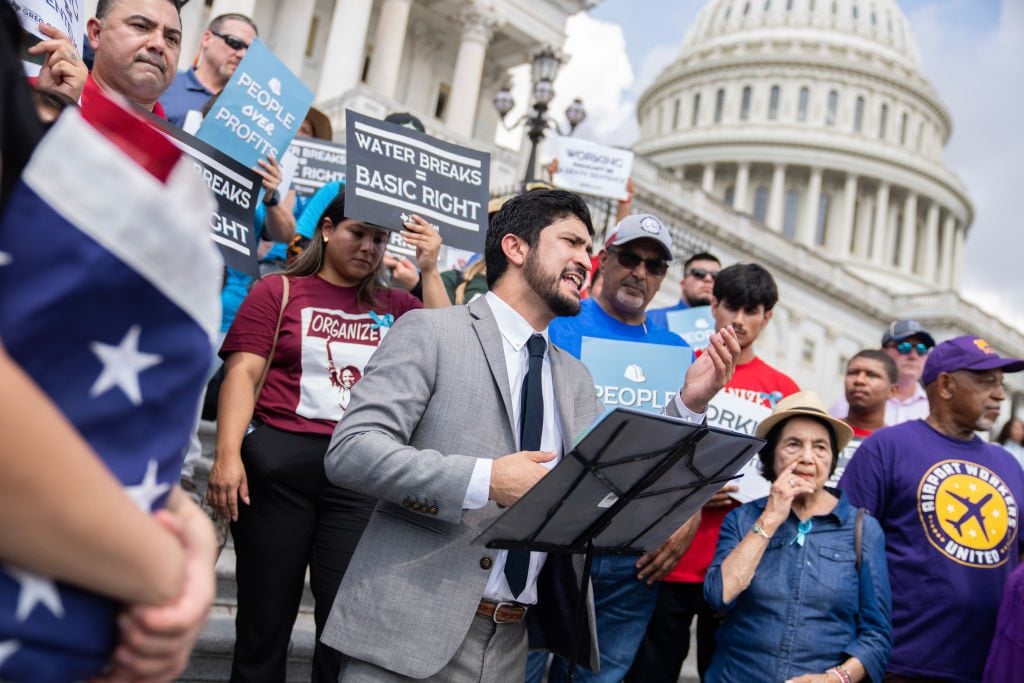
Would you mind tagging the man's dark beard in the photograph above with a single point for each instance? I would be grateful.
(548, 288)
(699, 301)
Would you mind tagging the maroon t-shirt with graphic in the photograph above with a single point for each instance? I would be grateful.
(326, 338)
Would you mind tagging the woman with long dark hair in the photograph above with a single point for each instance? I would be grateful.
(325, 314)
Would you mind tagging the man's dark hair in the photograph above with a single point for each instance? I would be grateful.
(103, 7)
(218, 23)
(891, 371)
(767, 453)
(746, 285)
(525, 216)
(700, 256)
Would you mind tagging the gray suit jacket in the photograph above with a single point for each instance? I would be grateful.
(434, 397)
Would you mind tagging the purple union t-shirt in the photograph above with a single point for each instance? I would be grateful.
(949, 510)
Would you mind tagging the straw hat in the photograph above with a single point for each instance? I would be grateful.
(805, 404)
(321, 124)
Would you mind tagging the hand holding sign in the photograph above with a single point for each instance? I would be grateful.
(712, 370)
(427, 240)
(63, 71)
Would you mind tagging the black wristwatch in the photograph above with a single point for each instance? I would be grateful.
(272, 199)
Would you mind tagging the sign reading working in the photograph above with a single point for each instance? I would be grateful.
(235, 188)
(728, 411)
(395, 171)
(695, 325)
(260, 109)
(588, 167)
(318, 163)
(633, 374)
(65, 15)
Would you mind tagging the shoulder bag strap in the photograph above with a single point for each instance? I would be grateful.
(858, 535)
(277, 332)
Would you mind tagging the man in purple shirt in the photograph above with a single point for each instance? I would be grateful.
(948, 504)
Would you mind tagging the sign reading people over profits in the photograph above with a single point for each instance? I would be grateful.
(395, 171)
(633, 374)
(260, 109)
(65, 15)
(695, 325)
(588, 167)
(235, 188)
(319, 162)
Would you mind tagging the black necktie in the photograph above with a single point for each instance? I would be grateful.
(531, 425)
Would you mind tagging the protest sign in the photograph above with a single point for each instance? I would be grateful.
(235, 188)
(843, 460)
(318, 163)
(695, 325)
(395, 171)
(65, 15)
(736, 414)
(634, 374)
(259, 111)
(588, 167)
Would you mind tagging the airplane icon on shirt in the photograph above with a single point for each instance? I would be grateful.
(973, 512)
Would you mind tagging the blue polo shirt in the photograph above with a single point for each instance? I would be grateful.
(659, 316)
(185, 94)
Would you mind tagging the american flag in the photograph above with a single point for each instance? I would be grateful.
(109, 299)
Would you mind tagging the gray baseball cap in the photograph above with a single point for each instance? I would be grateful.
(899, 330)
(641, 226)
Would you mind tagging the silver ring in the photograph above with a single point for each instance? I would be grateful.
(792, 482)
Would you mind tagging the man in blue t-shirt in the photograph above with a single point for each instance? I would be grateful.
(696, 287)
(634, 262)
(948, 504)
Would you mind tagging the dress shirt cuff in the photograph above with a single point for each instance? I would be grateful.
(479, 490)
(686, 413)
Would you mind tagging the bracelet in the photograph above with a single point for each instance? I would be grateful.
(758, 531)
(841, 673)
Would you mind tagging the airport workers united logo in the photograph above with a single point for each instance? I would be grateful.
(968, 513)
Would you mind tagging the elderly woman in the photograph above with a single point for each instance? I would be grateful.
(801, 575)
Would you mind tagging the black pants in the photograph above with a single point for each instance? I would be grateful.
(667, 641)
(297, 518)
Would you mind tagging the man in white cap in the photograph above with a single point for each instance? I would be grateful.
(633, 263)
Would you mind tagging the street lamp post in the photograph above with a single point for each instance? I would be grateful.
(545, 68)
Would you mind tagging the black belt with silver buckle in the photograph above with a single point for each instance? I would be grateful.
(502, 612)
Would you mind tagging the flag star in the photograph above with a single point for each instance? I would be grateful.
(145, 493)
(35, 589)
(972, 533)
(122, 365)
(8, 648)
(950, 508)
(5, 259)
(995, 513)
(956, 486)
(973, 487)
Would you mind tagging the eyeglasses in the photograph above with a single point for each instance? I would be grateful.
(701, 273)
(231, 41)
(627, 259)
(906, 347)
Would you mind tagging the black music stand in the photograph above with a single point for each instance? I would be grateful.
(625, 487)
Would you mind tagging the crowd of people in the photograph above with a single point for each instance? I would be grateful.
(374, 415)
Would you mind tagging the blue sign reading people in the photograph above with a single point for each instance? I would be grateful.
(695, 325)
(260, 109)
(634, 374)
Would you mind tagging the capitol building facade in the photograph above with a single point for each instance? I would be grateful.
(800, 134)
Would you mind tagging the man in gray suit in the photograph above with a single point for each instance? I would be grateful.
(433, 430)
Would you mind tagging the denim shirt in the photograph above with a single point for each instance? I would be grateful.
(806, 609)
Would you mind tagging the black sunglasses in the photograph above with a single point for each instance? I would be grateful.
(906, 347)
(627, 259)
(701, 273)
(231, 41)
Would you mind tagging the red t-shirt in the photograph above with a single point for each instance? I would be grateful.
(862, 433)
(754, 381)
(326, 338)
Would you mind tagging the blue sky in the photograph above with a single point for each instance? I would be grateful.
(972, 51)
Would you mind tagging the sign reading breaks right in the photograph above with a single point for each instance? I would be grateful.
(394, 171)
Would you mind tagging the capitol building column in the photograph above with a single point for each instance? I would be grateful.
(840, 245)
(931, 243)
(291, 30)
(881, 232)
(908, 233)
(707, 179)
(808, 226)
(948, 235)
(739, 194)
(387, 46)
(346, 44)
(775, 198)
(959, 237)
(469, 68)
(246, 7)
